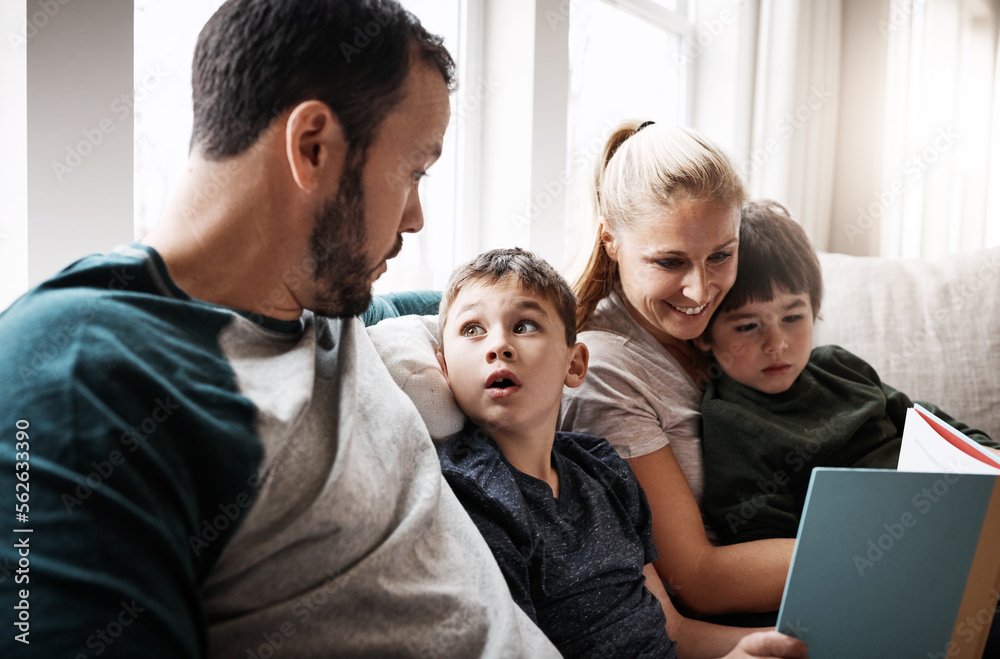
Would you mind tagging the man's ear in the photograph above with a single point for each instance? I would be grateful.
(314, 144)
(439, 354)
(610, 246)
(578, 360)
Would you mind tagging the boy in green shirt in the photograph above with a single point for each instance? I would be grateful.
(781, 407)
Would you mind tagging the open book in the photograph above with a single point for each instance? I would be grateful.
(931, 445)
(900, 563)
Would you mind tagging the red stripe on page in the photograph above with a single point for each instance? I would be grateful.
(958, 442)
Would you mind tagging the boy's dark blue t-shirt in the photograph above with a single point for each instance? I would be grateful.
(574, 564)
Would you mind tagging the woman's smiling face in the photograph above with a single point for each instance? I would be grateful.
(676, 266)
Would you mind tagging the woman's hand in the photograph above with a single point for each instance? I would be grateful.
(768, 644)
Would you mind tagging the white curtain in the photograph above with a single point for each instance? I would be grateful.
(795, 105)
(941, 161)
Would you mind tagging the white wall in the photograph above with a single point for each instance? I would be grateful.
(13, 144)
(79, 162)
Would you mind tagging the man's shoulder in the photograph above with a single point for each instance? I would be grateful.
(112, 290)
(77, 332)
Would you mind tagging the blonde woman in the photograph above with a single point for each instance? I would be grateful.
(664, 255)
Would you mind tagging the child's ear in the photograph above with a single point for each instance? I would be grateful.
(577, 371)
(439, 354)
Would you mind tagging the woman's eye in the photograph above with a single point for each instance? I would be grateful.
(472, 331)
(720, 257)
(746, 327)
(525, 327)
(670, 264)
(417, 175)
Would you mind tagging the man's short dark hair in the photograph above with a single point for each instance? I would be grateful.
(774, 255)
(256, 59)
(534, 275)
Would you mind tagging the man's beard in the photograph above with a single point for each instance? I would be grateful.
(342, 275)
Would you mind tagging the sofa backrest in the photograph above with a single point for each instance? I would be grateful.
(930, 328)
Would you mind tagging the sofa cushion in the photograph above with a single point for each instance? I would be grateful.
(406, 345)
(930, 328)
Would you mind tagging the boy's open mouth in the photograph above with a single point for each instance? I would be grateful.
(502, 380)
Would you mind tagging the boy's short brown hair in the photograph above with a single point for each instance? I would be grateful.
(774, 255)
(534, 275)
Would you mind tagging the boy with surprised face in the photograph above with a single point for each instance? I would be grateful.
(563, 514)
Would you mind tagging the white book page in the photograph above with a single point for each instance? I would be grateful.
(924, 450)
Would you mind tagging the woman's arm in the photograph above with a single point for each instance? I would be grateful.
(706, 579)
(696, 639)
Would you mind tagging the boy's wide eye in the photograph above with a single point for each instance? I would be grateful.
(792, 319)
(472, 330)
(525, 327)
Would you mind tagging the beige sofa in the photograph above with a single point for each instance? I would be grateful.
(930, 329)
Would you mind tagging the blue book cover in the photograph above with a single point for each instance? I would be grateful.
(894, 564)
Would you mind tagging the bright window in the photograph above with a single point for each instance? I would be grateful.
(428, 256)
(622, 66)
(627, 61)
(165, 37)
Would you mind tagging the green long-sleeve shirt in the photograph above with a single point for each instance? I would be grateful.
(760, 449)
